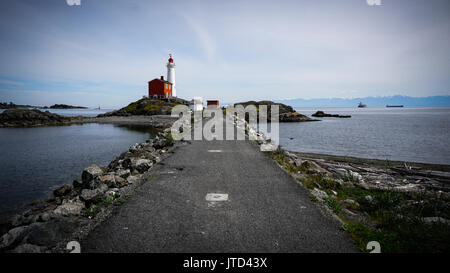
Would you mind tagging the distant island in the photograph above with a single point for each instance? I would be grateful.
(432, 101)
(63, 106)
(321, 114)
(11, 105)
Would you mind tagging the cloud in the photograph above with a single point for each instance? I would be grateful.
(7, 82)
(229, 50)
(203, 37)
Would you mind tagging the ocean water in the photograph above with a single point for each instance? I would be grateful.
(35, 161)
(404, 134)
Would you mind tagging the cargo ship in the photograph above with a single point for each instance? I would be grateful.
(361, 105)
(387, 105)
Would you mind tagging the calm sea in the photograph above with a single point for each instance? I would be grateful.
(404, 134)
(35, 161)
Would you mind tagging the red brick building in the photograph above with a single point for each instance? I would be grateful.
(159, 89)
(212, 104)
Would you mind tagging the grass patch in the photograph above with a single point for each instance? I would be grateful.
(92, 211)
(333, 205)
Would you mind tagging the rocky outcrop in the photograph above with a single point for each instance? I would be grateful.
(31, 118)
(148, 107)
(321, 114)
(75, 210)
(286, 112)
(65, 106)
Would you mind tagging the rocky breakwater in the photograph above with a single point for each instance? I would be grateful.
(286, 112)
(33, 118)
(76, 209)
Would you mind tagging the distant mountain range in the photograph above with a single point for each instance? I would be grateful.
(434, 101)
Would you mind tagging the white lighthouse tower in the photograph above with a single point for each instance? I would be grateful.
(171, 75)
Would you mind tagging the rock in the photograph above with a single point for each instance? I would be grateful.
(51, 233)
(294, 117)
(340, 173)
(28, 248)
(268, 147)
(49, 200)
(89, 174)
(69, 207)
(44, 217)
(148, 107)
(123, 173)
(108, 180)
(436, 220)
(30, 219)
(17, 220)
(132, 179)
(77, 183)
(62, 191)
(34, 203)
(120, 182)
(314, 168)
(129, 162)
(350, 202)
(31, 117)
(356, 176)
(368, 198)
(142, 165)
(319, 194)
(13, 236)
(91, 196)
(113, 193)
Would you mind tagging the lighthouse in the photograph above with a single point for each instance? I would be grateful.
(171, 75)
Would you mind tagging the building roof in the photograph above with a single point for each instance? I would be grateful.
(164, 81)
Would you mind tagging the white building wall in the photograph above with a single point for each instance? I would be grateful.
(171, 77)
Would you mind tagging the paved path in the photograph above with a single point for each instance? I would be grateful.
(266, 210)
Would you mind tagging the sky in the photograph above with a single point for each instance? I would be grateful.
(103, 52)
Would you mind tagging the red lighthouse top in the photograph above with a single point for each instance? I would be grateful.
(170, 59)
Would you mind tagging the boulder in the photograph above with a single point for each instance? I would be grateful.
(69, 208)
(142, 165)
(108, 180)
(53, 232)
(89, 174)
(28, 248)
(132, 179)
(314, 168)
(13, 236)
(62, 191)
(120, 182)
(319, 194)
(93, 196)
(123, 173)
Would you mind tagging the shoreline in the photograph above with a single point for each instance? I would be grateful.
(373, 161)
(76, 209)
